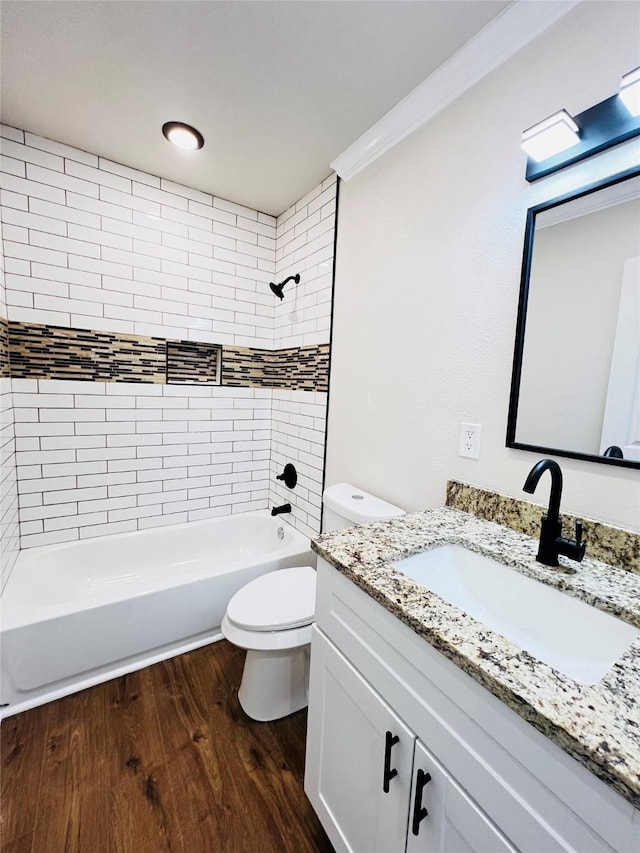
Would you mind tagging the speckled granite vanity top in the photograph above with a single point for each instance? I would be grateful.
(598, 725)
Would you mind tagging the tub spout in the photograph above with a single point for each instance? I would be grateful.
(277, 510)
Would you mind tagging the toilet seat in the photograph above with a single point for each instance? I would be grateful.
(283, 600)
(266, 641)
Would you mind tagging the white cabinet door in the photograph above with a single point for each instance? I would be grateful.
(351, 741)
(443, 819)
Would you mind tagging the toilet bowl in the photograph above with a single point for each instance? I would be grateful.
(272, 616)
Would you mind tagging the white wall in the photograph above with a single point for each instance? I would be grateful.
(429, 252)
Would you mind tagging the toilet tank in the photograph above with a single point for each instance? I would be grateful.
(346, 505)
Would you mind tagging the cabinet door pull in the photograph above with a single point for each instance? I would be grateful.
(389, 742)
(419, 811)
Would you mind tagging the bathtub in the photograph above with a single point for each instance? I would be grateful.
(77, 614)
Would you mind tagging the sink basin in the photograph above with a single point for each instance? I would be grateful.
(571, 636)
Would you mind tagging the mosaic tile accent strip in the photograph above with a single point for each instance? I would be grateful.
(301, 368)
(54, 352)
(297, 368)
(612, 545)
(191, 363)
(4, 348)
(245, 367)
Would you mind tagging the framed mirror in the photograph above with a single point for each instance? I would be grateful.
(575, 387)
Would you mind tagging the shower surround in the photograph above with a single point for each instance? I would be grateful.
(154, 379)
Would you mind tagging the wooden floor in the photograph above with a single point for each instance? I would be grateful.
(160, 760)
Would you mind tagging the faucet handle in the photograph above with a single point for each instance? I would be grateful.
(572, 548)
(580, 546)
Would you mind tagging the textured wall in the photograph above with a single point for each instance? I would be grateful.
(429, 252)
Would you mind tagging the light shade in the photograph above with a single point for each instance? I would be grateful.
(630, 91)
(183, 135)
(550, 136)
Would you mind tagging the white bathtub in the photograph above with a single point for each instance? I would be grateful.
(77, 614)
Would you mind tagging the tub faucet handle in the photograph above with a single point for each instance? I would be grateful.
(289, 475)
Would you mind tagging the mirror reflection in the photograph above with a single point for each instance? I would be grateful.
(576, 379)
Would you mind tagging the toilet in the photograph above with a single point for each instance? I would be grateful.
(271, 617)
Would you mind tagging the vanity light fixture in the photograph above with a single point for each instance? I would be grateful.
(550, 136)
(630, 91)
(602, 126)
(183, 135)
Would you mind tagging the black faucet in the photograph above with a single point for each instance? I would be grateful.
(614, 452)
(552, 542)
(277, 510)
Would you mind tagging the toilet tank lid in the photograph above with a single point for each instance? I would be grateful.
(358, 506)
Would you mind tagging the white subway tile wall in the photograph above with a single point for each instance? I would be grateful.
(97, 245)
(3, 302)
(95, 458)
(9, 530)
(304, 244)
(298, 424)
(90, 244)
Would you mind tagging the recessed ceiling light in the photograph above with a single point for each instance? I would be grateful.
(183, 135)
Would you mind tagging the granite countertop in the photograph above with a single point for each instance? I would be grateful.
(598, 725)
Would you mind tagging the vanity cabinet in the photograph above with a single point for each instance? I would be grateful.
(494, 782)
(355, 789)
(451, 821)
(375, 786)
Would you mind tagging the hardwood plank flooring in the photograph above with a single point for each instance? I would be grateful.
(163, 759)
(23, 746)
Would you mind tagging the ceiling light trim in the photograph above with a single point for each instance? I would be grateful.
(491, 47)
(188, 131)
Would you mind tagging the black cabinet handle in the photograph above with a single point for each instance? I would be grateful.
(389, 742)
(419, 811)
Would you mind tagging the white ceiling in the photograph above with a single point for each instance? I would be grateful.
(278, 88)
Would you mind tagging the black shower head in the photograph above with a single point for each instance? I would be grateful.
(277, 288)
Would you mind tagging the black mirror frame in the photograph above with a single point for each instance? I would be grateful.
(522, 319)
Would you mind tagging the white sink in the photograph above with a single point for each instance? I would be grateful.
(576, 639)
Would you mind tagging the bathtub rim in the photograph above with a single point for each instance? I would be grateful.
(19, 614)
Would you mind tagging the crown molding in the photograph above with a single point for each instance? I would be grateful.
(510, 31)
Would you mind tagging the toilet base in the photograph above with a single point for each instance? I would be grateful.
(275, 683)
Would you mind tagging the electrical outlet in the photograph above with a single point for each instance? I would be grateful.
(470, 435)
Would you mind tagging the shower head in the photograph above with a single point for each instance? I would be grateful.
(277, 288)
